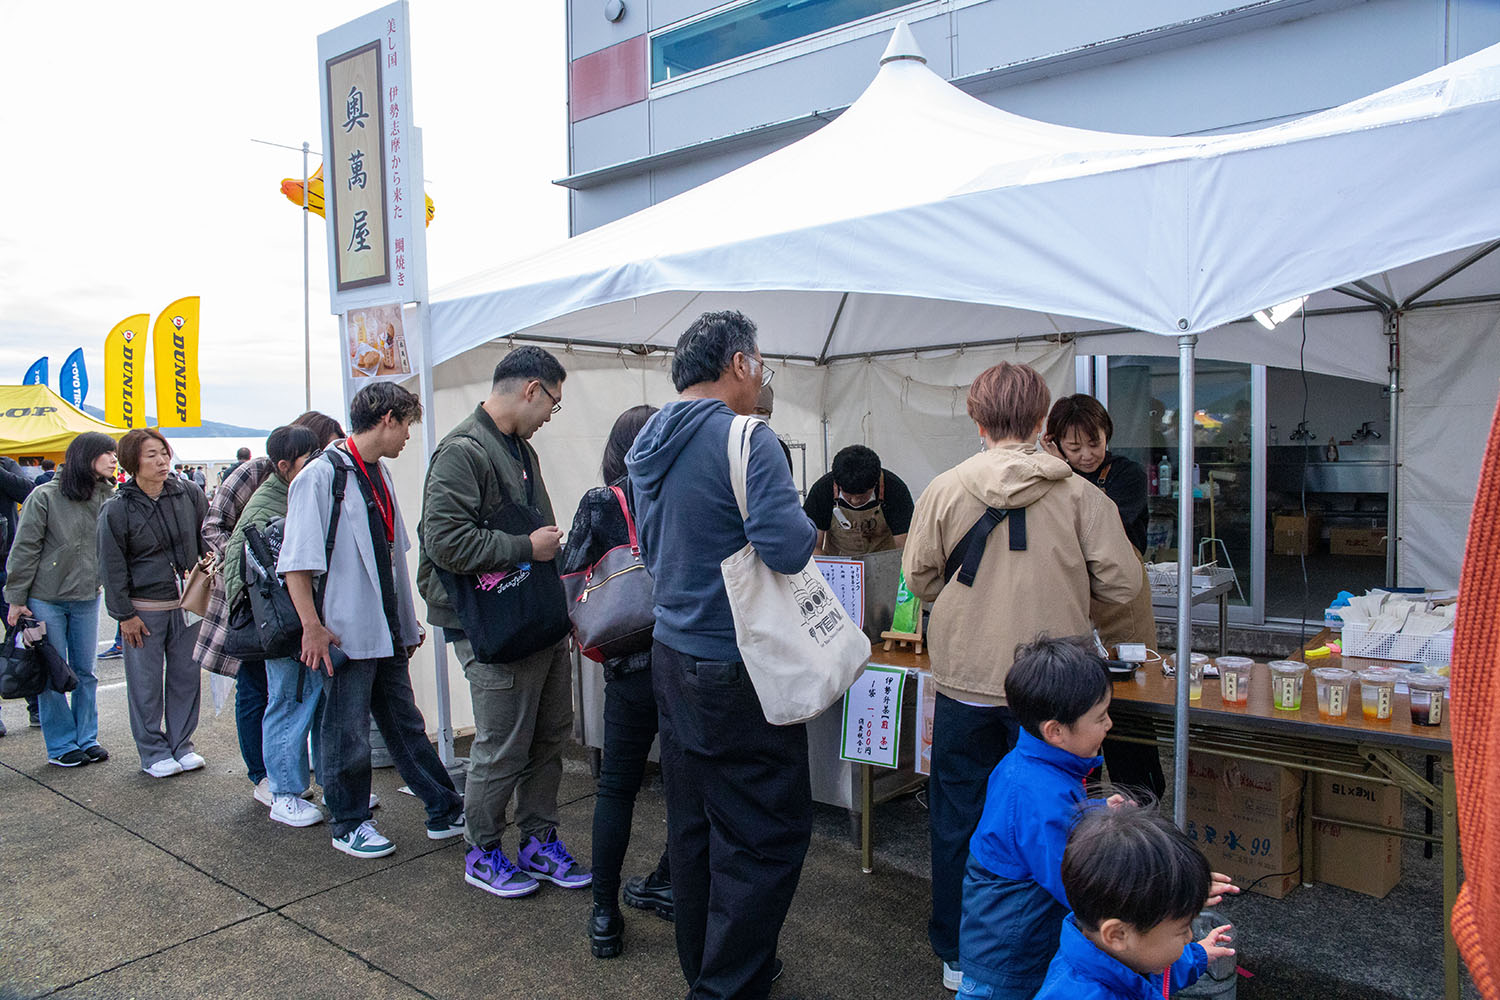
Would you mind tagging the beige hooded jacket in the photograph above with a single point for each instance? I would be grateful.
(1076, 549)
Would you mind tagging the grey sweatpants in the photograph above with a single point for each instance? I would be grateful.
(163, 684)
(523, 717)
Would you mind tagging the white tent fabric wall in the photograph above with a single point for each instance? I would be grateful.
(910, 410)
(1450, 362)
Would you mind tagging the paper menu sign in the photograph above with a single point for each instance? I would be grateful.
(872, 717)
(926, 713)
(846, 578)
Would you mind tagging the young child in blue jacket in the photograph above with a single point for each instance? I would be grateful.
(1135, 883)
(1013, 901)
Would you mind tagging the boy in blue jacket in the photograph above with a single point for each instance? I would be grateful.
(1014, 903)
(1135, 882)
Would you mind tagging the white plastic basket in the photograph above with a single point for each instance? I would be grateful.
(1358, 640)
(1163, 577)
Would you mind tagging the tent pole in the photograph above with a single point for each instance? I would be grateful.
(1185, 410)
(1393, 331)
(306, 299)
(439, 649)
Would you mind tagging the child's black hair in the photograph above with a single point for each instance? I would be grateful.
(1054, 679)
(1129, 863)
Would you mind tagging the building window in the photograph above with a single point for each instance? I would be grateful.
(751, 27)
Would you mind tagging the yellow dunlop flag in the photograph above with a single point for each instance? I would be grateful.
(178, 399)
(125, 372)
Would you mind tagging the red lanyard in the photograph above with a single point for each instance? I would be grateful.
(378, 494)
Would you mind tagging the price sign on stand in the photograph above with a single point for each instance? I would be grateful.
(846, 578)
(872, 717)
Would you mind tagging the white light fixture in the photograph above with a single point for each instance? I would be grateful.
(1279, 314)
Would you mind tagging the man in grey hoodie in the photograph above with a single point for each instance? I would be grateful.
(739, 803)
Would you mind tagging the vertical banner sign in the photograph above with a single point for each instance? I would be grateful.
(37, 373)
(372, 170)
(73, 379)
(125, 372)
(872, 717)
(178, 398)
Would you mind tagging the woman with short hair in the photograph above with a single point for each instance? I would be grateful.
(150, 536)
(1054, 544)
(1079, 427)
(52, 575)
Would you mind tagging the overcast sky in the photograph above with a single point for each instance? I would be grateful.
(131, 178)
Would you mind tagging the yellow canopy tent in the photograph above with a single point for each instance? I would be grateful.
(35, 421)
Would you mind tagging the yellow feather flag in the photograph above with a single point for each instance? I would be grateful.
(178, 397)
(125, 372)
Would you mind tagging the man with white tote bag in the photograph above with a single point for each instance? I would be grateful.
(739, 802)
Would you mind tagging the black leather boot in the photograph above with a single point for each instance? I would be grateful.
(606, 931)
(650, 892)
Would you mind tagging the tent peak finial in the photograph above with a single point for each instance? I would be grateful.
(903, 45)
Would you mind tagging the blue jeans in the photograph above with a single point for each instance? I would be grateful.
(379, 688)
(70, 721)
(288, 720)
(249, 716)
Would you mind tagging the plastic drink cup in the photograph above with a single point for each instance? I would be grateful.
(1427, 707)
(1377, 692)
(1286, 684)
(1234, 679)
(1333, 691)
(1196, 663)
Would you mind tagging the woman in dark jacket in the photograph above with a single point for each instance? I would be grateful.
(1080, 428)
(150, 535)
(629, 710)
(52, 574)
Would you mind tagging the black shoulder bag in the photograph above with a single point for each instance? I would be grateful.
(509, 615)
(965, 557)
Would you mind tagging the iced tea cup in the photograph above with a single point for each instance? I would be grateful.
(1377, 692)
(1333, 691)
(1286, 684)
(1234, 679)
(1196, 663)
(1427, 707)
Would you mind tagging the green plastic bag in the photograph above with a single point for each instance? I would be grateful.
(907, 607)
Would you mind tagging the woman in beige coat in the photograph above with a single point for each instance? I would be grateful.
(1057, 546)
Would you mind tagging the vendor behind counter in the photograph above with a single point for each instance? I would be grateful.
(860, 506)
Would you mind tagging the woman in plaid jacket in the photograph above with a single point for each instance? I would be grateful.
(250, 677)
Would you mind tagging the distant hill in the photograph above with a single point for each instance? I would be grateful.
(210, 428)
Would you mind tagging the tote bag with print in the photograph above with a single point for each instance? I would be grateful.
(800, 647)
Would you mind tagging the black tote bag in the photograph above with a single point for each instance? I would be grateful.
(23, 674)
(508, 616)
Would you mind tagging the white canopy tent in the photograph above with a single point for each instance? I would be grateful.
(922, 219)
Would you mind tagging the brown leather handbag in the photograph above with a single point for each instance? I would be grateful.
(198, 584)
(611, 603)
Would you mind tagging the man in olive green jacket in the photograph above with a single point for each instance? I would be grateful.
(523, 711)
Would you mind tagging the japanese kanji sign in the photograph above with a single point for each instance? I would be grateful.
(356, 195)
(872, 717)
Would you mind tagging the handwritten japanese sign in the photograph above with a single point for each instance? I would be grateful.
(846, 578)
(372, 162)
(872, 717)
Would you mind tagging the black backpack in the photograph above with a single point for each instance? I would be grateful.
(264, 623)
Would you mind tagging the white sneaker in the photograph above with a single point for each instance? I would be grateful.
(191, 761)
(364, 841)
(953, 976)
(163, 768)
(262, 792)
(295, 811)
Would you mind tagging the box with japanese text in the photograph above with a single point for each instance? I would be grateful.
(1361, 860)
(1244, 817)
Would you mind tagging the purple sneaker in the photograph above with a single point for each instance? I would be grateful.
(549, 859)
(493, 872)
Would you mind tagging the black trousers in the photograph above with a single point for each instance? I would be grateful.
(739, 819)
(967, 742)
(629, 728)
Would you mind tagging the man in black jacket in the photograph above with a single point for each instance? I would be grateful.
(14, 489)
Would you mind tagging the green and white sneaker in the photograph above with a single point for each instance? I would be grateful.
(364, 841)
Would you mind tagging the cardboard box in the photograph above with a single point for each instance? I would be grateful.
(1244, 817)
(1356, 859)
(1295, 535)
(1357, 541)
